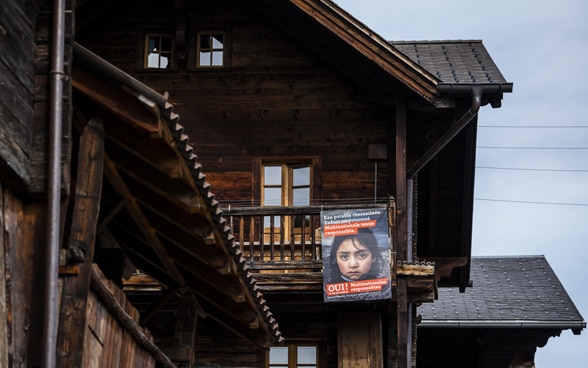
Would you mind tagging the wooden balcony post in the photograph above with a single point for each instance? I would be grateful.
(401, 233)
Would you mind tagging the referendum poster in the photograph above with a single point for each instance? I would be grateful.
(356, 255)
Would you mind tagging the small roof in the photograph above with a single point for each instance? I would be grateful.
(507, 292)
(454, 61)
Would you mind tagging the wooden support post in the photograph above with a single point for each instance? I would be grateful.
(185, 333)
(402, 230)
(70, 343)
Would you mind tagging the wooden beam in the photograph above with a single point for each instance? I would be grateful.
(142, 222)
(401, 233)
(444, 266)
(185, 332)
(70, 344)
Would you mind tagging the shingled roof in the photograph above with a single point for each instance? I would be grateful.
(507, 292)
(456, 61)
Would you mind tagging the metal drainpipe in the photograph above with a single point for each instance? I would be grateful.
(50, 312)
(452, 132)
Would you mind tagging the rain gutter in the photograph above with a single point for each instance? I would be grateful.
(56, 73)
(575, 326)
(461, 88)
(476, 92)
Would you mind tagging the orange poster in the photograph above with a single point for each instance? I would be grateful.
(356, 255)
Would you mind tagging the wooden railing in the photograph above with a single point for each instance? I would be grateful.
(282, 245)
(281, 234)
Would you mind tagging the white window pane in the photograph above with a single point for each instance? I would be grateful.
(217, 41)
(272, 196)
(217, 58)
(301, 176)
(307, 355)
(278, 355)
(205, 58)
(163, 62)
(272, 175)
(153, 60)
(301, 196)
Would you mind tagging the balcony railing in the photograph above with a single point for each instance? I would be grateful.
(282, 236)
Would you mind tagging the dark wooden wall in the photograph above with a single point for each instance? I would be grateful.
(274, 101)
(491, 348)
(17, 46)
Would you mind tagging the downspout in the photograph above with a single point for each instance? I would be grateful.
(50, 312)
(450, 134)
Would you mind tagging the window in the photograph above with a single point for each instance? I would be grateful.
(293, 356)
(158, 51)
(285, 185)
(211, 50)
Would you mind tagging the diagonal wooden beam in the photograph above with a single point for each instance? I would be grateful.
(141, 220)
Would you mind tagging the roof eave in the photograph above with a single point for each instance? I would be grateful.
(372, 46)
(575, 326)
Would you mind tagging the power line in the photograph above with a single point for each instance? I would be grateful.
(532, 202)
(528, 169)
(533, 126)
(532, 148)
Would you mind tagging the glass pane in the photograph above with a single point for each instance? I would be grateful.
(153, 43)
(205, 58)
(217, 58)
(217, 41)
(153, 60)
(301, 176)
(278, 355)
(272, 196)
(307, 355)
(163, 62)
(166, 44)
(301, 196)
(267, 222)
(272, 175)
(205, 42)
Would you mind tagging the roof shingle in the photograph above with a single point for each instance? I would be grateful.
(521, 289)
(455, 62)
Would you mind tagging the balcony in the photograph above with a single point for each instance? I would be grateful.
(282, 245)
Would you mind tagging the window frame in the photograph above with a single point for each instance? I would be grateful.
(287, 186)
(146, 51)
(293, 356)
(224, 49)
(315, 175)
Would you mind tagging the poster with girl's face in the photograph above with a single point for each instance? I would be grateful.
(356, 255)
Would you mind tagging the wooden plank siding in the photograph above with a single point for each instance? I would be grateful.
(17, 45)
(275, 101)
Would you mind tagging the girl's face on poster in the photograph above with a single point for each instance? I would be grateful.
(354, 259)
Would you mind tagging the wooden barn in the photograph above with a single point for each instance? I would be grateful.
(165, 167)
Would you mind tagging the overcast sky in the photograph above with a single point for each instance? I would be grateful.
(542, 47)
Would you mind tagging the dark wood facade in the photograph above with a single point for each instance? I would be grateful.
(303, 82)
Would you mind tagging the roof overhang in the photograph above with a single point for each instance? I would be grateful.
(156, 204)
(575, 326)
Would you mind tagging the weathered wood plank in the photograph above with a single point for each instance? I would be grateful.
(99, 284)
(4, 339)
(81, 245)
(12, 211)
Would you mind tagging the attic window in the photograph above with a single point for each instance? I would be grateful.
(158, 51)
(211, 50)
